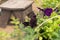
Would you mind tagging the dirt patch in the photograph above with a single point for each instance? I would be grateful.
(8, 29)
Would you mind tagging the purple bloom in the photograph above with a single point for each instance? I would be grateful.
(33, 21)
(48, 11)
(26, 23)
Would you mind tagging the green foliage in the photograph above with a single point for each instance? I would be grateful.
(48, 3)
(39, 20)
(18, 34)
(15, 21)
(49, 28)
(53, 14)
(29, 33)
(4, 35)
(37, 2)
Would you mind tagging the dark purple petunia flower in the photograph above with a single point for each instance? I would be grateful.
(48, 11)
(33, 21)
(26, 23)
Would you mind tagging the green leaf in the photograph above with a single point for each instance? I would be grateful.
(40, 38)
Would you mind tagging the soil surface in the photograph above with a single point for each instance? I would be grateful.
(8, 28)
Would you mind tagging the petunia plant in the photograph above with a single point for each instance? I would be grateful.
(46, 29)
(48, 6)
(49, 29)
